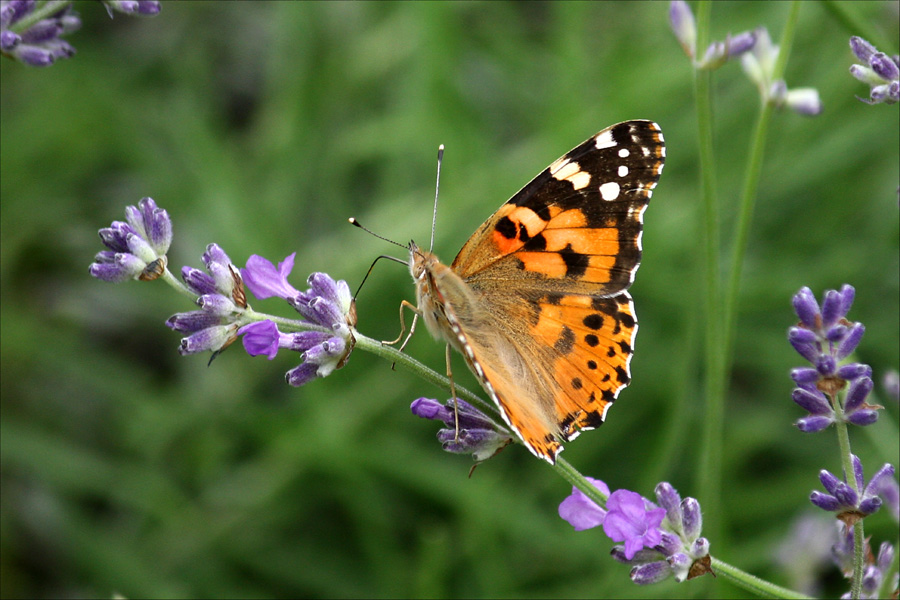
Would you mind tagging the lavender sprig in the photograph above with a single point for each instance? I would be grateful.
(879, 71)
(31, 32)
(659, 541)
(825, 337)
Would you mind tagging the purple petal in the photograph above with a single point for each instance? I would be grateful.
(216, 304)
(831, 308)
(209, 339)
(260, 338)
(813, 424)
(265, 281)
(41, 31)
(858, 473)
(806, 349)
(829, 481)
(813, 402)
(851, 341)
(870, 505)
(804, 375)
(650, 573)
(580, 511)
(826, 365)
(682, 20)
(693, 519)
(429, 409)
(847, 295)
(859, 391)
(806, 307)
(740, 43)
(883, 475)
(861, 48)
(198, 281)
(846, 495)
(880, 63)
(668, 498)
(863, 417)
(191, 322)
(824, 501)
(303, 341)
(852, 371)
(301, 375)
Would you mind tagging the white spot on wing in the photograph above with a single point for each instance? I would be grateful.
(609, 190)
(604, 139)
(624, 153)
(623, 170)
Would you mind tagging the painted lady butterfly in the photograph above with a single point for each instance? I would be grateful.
(536, 300)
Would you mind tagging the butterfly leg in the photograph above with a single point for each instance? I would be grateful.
(412, 327)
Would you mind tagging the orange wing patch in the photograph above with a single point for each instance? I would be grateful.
(594, 338)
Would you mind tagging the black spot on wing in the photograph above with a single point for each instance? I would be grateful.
(576, 262)
(566, 341)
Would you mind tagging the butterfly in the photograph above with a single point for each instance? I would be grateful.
(537, 302)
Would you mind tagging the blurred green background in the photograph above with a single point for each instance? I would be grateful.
(127, 469)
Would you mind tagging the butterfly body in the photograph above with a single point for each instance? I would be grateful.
(536, 300)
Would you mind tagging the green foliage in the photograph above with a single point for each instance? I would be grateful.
(264, 126)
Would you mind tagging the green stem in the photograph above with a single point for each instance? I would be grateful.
(571, 474)
(749, 193)
(410, 364)
(859, 539)
(42, 12)
(173, 281)
(752, 583)
(710, 464)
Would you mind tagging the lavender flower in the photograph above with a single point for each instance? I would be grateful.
(478, 434)
(327, 307)
(660, 541)
(759, 64)
(32, 37)
(717, 53)
(825, 337)
(137, 249)
(879, 71)
(222, 301)
(634, 520)
(143, 8)
(851, 503)
(875, 570)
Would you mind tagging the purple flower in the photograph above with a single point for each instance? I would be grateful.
(880, 72)
(265, 281)
(633, 520)
(874, 581)
(143, 8)
(580, 511)
(320, 352)
(660, 542)
(851, 502)
(717, 53)
(478, 434)
(824, 337)
(759, 64)
(32, 37)
(137, 249)
(222, 302)
(327, 306)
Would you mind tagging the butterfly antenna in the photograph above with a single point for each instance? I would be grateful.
(437, 185)
(353, 221)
